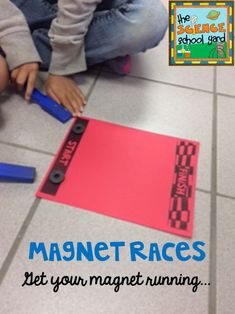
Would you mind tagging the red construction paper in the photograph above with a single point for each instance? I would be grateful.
(136, 176)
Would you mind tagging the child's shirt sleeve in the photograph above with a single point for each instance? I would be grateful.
(15, 37)
(67, 34)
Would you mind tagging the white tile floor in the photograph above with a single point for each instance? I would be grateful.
(190, 102)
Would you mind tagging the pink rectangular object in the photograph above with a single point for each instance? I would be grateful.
(133, 175)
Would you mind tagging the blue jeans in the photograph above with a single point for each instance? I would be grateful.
(119, 27)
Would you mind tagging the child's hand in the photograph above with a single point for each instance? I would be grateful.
(25, 75)
(4, 74)
(66, 92)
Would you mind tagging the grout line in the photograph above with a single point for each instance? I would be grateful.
(226, 196)
(34, 150)
(8, 260)
(179, 85)
(203, 191)
(93, 85)
(213, 214)
(161, 82)
(173, 84)
(226, 95)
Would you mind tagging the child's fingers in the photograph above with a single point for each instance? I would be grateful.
(72, 103)
(81, 95)
(60, 100)
(77, 100)
(53, 96)
(68, 106)
(30, 84)
(14, 74)
(21, 79)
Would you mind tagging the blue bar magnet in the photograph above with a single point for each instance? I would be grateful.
(50, 106)
(17, 173)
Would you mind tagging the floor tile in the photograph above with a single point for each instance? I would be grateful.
(226, 147)
(57, 223)
(225, 256)
(16, 199)
(158, 108)
(225, 80)
(154, 65)
(30, 126)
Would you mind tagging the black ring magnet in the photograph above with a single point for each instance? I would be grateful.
(56, 176)
(78, 128)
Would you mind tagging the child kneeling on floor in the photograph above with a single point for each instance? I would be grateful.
(64, 37)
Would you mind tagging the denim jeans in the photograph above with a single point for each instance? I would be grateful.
(119, 27)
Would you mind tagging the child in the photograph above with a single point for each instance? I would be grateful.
(71, 35)
(4, 72)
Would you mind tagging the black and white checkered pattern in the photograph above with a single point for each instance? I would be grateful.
(179, 214)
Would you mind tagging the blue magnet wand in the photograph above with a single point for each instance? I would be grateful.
(50, 106)
(16, 173)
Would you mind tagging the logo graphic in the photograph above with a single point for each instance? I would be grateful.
(201, 33)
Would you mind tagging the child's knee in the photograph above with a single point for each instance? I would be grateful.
(148, 23)
(154, 21)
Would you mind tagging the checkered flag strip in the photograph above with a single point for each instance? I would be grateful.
(179, 214)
